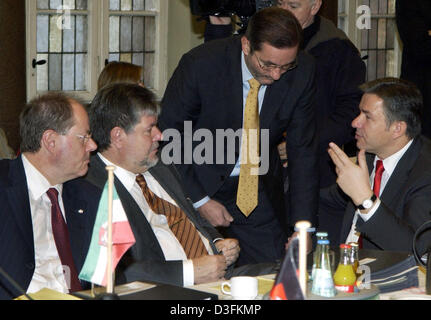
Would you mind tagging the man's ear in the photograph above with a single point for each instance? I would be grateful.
(49, 140)
(117, 137)
(316, 7)
(399, 128)
(245, 45)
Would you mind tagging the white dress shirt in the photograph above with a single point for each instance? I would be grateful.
(171, 247)
(48, 271)
(389, 164)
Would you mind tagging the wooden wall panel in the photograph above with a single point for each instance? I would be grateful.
(12, 67)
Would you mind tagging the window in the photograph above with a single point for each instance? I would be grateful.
(70, 41)
(378, 41)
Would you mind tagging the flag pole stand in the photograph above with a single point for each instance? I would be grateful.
(109, 294)
(303, 226)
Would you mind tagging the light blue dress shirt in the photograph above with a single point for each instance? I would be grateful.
(246, 75)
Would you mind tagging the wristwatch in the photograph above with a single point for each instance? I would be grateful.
(368, 203)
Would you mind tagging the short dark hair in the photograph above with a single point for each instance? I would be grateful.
(52, 111)
(276, 26)
(402, 101)
(119, 105)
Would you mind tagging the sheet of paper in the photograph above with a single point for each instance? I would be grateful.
(366, 261)
(48, 294)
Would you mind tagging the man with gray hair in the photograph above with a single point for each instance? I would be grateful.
(174, 244)
(389, 189)
(45, 225)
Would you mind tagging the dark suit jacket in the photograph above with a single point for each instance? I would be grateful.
(16, 230)
(405, 203)
(414, 23)
(206, 88)
(145, 260)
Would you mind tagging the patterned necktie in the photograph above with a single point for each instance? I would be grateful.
(178, 221)
(378, 177)
(247, 195)
(62, 242)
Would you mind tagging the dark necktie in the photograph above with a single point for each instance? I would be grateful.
(178, 221)
(62, 242)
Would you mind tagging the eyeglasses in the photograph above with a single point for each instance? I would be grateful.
(271, 67)
(85, 138)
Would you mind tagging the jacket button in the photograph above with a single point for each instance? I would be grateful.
(222, 178)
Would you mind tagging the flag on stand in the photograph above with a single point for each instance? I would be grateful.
(286, 286)
(95, 265)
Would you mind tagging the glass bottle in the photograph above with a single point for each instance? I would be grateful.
(354, 256)
(345, 277)
(321, 235)
(323, 284)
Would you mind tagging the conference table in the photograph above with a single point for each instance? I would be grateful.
(265, 284)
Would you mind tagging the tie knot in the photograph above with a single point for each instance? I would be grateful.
(254, 84)
(379, 166)
(52, 195)
(140, 180)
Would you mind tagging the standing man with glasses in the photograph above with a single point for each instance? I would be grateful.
(234, 88)
(45, 223)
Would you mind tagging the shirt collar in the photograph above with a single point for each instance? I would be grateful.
(36, 182)
(246, 75)
(391, 162)
(126, 177)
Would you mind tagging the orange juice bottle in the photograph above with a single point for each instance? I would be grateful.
(345, 277)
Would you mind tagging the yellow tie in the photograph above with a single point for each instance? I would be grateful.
(246, 198)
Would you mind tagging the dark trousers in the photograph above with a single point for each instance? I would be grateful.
(260, 235)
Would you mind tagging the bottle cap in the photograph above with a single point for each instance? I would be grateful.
(321, 234)
(354, 244)
(322, 241)
(344, 246)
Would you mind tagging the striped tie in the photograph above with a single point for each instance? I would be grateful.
(178, 221)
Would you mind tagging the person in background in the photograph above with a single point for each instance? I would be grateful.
(263, 75)
(339, 73)
(387, 193)
(6, 151)
(122, 117)
(45, 226)
(413, 19)
(118, 71)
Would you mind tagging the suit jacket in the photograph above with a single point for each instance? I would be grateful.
(405, 203)
(413, 19)
(16, 230)
(145, 260)
(206, 89)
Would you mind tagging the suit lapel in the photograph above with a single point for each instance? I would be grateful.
(19, 201)
(274, 95)
(141, 228)
(233, 84)
(167, 180)
(401, 172)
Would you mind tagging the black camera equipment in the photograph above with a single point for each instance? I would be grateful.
(244, 9)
